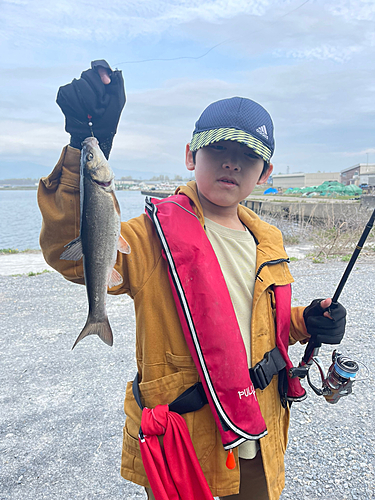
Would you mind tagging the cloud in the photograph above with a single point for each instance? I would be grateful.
(338, 54)
(87, 20)
(315, 110)
(23, 140)
(157, 123)
(310, 64)
(291, 30)
(359, 10)
(361, 154)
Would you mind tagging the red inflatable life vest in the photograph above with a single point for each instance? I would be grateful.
(209, 322)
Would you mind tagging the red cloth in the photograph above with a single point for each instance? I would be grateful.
(283, 297)
(174, 472)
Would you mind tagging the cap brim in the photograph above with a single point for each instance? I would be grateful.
(207, 137)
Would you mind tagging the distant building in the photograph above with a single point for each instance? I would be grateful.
(286, 181)
(360, 174)
(302, 179)
(316, 179)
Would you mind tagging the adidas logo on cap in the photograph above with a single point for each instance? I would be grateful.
(262, 131)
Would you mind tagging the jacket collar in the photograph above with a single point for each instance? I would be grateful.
(269, 239)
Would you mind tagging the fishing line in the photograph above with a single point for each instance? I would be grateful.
(212, 48)
(177, 58)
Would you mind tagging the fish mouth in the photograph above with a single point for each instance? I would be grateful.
(103, 184)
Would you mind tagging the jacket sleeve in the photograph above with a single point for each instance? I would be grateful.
(298, 332)
(58, 199)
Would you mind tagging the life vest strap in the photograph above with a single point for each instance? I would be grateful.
(271, 364)
(194, 398)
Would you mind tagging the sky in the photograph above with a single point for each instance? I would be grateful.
(309, 63)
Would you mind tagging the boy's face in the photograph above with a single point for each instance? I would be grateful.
(226, 172)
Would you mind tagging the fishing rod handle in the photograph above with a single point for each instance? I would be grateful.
(312, 350)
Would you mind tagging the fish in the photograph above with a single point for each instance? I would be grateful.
(99, 239)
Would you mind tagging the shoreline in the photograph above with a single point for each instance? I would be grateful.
(32, 261)
(29, 261)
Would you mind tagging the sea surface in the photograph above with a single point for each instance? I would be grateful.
(21, 219)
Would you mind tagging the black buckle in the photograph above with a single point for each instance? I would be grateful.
(262, 373)
(193, 399)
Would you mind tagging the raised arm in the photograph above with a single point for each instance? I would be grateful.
(92, 105)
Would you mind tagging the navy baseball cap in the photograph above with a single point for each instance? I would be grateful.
(235, 119)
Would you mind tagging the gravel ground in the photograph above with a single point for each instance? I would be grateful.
(31, 261)
(61, 411)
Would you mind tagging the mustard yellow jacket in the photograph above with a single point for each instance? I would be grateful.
(164, 363)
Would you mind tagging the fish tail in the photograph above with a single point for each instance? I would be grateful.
(101, 328)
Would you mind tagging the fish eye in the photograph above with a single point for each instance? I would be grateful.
(89, 156)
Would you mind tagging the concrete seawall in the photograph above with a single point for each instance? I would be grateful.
(157, 194)
(301, 209)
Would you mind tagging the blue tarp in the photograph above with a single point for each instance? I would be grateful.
(270, 191)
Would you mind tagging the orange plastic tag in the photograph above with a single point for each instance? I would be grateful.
(231, 462)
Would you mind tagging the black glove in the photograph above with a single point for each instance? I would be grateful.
(325, 330)
(89, 100)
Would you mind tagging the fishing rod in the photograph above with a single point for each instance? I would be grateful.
(341, 374)
(354, 257)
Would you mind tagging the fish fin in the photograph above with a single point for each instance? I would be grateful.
(73, 250)
(122, 245)
(103, 329)
(115, 202)
(115, 279)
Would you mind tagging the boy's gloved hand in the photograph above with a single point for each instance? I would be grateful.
(98, 97)
(325, 321)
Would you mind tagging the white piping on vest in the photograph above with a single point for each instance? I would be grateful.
(193, 332)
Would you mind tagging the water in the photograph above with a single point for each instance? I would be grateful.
(21, 219)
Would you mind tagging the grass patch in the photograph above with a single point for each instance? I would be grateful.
(345, 258)
(293, 259)
(9, 250)
(290, 239)
(318, 260)
(31, 273)
(332, 234)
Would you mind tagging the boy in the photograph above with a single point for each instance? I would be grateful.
(205, 274)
